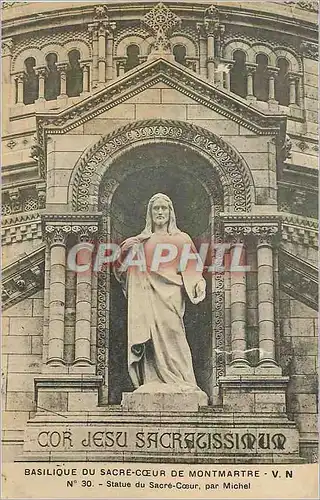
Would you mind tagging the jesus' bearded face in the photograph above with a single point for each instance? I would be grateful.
(160, 212)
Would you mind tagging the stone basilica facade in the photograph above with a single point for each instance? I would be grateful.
(216, 106)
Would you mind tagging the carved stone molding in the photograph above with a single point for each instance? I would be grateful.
(23, 278)
(299, 279)
(161, 21)
(58, 227)
(232, 171)
(23, 199)
(310, 5)
(186, 82)
(294, 232)
(310, 50)
(7, 46)
(24, 229)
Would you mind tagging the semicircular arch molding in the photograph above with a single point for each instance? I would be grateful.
(233, 172)
(18, 64)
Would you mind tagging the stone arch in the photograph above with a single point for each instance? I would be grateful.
(290, 57)
(233, 172)
(189, 44)
(234, 45)
(267, 51)
(18, 64)
(79, 45)
(129, 40)
(59, 50)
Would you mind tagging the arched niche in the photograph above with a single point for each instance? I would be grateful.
(196, 192)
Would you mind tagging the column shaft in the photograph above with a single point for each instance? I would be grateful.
(85, 70)
(238, 312)
(102, 56)
(83, 311)
(19, 80)
(292, 92)
(250, 84)
(57, 303)
(266, 302)
(109, 55)
(271, 88)
(210, 57)
(202, 55)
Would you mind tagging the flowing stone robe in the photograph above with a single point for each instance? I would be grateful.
(159, 357)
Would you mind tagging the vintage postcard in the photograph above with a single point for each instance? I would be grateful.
(159, 242)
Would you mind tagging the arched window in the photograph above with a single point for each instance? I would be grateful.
(238, 76)
(132, 57)
(282, 82)
(74, 75)
(261, 79)
(31, 82)
(179, 52)
(52, 80)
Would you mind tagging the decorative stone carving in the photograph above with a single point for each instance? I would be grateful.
(7, 45)
(23, 278)
(232, 171)
(311, 5)
(161, 20)
(310, 50)
(299, 279)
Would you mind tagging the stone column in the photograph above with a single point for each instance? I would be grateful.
(271, 86)
(93, 29)
(121, 65)
(266, 297)
(210, 57)
(250, 72)
(238, 306)
(41, 72)
(85, 73)
(19, 78)
(109, 55)
(7, 86)
(292, 90)
(202, 51)
(57, 238)
(102, 53)
(62, 68)
(83, 303)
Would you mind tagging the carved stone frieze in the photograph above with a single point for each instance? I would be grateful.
(23, 278)
(310, 50)
(299, 279)
(299, 231)
(21, 228)
(310, 5)
(23, 199)
(58, 231)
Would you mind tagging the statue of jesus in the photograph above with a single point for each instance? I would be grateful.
(156, 284)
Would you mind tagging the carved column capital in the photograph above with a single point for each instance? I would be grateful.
(41, 71)
(19, 77)
(6, 47)
(85, 232)
(265, 235)
(56, 234)
(62, 67)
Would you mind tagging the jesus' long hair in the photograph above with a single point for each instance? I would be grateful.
(172, 224)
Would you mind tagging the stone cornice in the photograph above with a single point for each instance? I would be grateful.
(23, 277)
(142, 78)
(298, 279)
(146, 75)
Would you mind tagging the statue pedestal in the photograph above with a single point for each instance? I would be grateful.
(139, 401)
